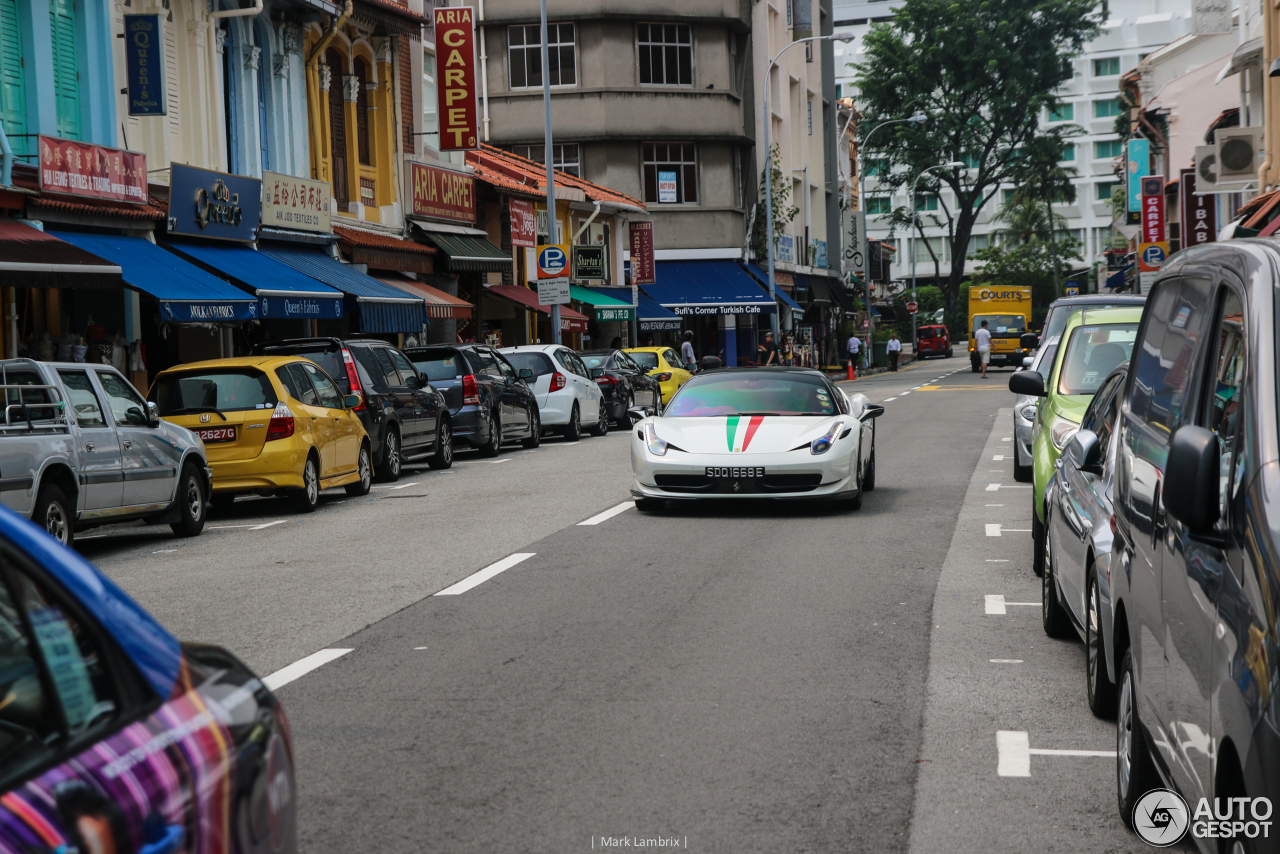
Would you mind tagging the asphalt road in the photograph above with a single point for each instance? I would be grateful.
(732, 677)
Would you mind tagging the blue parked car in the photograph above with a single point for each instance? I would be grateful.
(115, 737)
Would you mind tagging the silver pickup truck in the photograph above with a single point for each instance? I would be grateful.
(80, 447)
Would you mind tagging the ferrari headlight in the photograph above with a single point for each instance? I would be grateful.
(824, 442)
(656, 446)
(1029, 412)
(1061, 431)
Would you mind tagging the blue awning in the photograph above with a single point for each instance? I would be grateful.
(691, 288)
(281, 290)
(763, 278)
(802, 285)
(650, 317)
(382, 308)
(1116, 279)
(186, 293)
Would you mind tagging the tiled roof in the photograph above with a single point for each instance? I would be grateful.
(126, 211)
(396, 9)
(512, 172)
(373, 240)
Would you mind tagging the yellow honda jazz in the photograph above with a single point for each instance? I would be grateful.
(271, 425)
(663, 365)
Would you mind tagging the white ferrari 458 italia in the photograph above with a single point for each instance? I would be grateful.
(756, 433)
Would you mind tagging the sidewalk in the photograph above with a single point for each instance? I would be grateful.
(841, 371)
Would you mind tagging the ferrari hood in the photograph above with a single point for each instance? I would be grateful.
(743, 434)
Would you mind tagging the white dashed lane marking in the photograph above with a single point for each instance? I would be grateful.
(608, 514)
(1015, 752)
(480, 577)
(302, 667)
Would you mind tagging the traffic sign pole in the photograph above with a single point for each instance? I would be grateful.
(549, 155)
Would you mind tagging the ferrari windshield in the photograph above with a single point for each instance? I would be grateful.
(753, 393)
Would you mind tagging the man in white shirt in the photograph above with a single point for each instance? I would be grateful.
(893, 348)
(686, 352)
(853, 345)
(983, 339)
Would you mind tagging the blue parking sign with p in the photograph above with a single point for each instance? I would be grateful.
(1153, 256)
(553, 261)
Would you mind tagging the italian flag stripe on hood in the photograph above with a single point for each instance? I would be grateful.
(740, 430)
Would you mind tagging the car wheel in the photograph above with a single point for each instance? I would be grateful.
(1101, 690)
(389, 471)
(949, 353)
(306, 500)
(650, 505)
(869, 478)
(601, 427)
(535, 431)
(573, 431)
(191, 503)
(53, 513)
(443, 457)
(1135, 773)
(365, 483)
(493, 447)
(1052, 615)
(1037, 544)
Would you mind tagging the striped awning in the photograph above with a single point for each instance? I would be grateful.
(470, 253)
(440, 305)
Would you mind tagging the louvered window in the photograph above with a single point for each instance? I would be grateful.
(13, 91)
(362, 111)
(66, 74)
(337, 128)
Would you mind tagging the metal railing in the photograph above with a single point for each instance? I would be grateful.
(59, 405)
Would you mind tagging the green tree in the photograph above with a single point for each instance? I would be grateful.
(982, 70)
(783, 212)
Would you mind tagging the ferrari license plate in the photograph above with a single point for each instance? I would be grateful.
(735, 480)
(216, 434)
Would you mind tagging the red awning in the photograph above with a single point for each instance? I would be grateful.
(440, 305)
(570, 320)
(31, 258)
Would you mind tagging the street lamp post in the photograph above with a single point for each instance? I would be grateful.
(955, 164)
(918, 118)
(549, 156)
(768, 167)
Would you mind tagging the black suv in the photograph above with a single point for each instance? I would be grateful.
(624, 383)
(1195, 567)
(405, 417)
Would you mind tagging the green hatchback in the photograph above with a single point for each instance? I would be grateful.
(1095, 341)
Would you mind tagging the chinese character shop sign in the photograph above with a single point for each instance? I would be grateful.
(1152, 209)
(213, 204)
(1199, 213)
(92, 171)
(456, 67)
(441, 193)
(144, 64)
(289, 202)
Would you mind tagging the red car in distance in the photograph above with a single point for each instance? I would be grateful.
(933, 341)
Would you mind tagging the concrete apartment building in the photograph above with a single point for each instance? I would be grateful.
(1133, 30)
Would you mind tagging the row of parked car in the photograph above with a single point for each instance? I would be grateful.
(1148, 427)
(82, 447)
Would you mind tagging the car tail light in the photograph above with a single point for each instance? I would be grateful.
(558, 381)
(281, 426)
(606, 380)
(662, 377)
(352, 377)
(470, 391)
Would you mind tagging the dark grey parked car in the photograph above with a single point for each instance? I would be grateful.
(1196, 572)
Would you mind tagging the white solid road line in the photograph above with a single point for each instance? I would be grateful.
(998, 458)
(302, 667)
(505, 460)
(608, 514)
(1015, 752)
(996, 604)
(480, 577)
(993, 487)
(1006, 661)
(997, 530)
(267, 525)
(400, 485)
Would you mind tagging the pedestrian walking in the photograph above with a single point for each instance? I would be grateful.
(788, 352)
(983, 339)
(853, 346)
(770, 350)
(686, 352)
(894, 349)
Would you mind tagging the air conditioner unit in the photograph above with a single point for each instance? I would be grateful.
(1239, 153)
(1206, 168)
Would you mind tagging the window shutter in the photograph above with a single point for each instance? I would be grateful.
(13, 94)
(62, 19)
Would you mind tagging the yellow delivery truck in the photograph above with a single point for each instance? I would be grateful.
(1007, 312)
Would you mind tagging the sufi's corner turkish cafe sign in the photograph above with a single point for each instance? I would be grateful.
(456, 74)
(144, 62)
(92, 171)
(441, 193)
(213, 205)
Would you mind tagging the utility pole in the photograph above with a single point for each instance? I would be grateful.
(551, 168)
